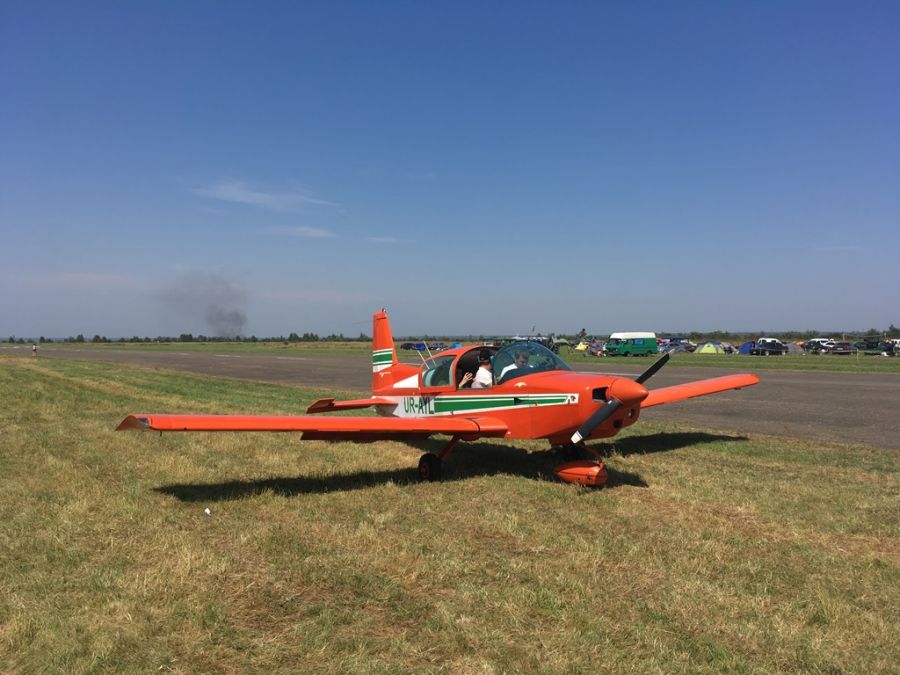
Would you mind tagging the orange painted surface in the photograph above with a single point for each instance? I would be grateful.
(482, 426)
(583, 472)
(680, 392)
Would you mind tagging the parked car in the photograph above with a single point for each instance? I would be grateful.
(765, 346)
(818, 345)
(684, 343)
(876, 347)
(842, 349)
(407, 345)
(677, 348)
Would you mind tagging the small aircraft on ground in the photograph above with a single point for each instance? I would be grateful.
(534, 394)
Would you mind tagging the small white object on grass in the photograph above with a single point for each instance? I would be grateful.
(207, 511)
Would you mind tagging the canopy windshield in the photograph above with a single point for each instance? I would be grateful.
(525, 358)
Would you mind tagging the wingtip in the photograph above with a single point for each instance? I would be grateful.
(139, 422)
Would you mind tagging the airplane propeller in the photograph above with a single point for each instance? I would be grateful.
(620, 390)
(652, 370)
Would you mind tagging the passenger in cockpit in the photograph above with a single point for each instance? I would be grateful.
(483, 379)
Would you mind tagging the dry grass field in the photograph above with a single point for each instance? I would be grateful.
(706, 553)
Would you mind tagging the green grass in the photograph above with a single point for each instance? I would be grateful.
(707, 552)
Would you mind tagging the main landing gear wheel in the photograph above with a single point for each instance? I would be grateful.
(430, 467)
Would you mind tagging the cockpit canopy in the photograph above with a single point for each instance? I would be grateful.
(510, 362)
(436, 371)
(524, 358)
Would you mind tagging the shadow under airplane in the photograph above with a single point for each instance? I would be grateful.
(468, 461)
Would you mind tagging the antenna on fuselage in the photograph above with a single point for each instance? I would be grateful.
(430, 356)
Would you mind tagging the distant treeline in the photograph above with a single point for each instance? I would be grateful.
(189, 337)
(696, 336)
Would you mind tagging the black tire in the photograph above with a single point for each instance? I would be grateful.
(570, 452)
(430, 467)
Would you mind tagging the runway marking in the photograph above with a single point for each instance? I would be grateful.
(228, 356)
(292, 358)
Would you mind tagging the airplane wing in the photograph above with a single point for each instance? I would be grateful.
(714, 385)
(322, 428)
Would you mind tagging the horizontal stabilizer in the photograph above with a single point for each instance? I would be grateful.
(714, 385)
(363, 428)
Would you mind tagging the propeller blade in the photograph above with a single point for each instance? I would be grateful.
(621, 392)
(600, 415)
(651, 371)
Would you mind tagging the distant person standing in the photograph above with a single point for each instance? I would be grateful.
(34, 349)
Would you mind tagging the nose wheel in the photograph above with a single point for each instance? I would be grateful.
(573, 451)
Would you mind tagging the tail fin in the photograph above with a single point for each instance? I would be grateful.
(386, 369)
(383, 353)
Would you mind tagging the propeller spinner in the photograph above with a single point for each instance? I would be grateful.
(621, 392)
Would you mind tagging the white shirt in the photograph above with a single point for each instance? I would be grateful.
(512, 366)
(483, 379)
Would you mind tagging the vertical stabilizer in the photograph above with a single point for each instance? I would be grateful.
(386, 369)
(383, 353)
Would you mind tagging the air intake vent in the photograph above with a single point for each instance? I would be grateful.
(600, 395)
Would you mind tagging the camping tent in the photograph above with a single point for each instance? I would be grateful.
(746, 347)
(710, 348)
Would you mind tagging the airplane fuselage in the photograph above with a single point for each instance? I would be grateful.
(548, 405)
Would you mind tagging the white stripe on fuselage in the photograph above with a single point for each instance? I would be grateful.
(410, 382)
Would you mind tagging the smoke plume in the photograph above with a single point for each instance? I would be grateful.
(217, 300)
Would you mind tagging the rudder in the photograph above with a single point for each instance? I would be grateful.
(386, 368)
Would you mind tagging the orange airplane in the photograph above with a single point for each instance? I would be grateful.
(524, 391)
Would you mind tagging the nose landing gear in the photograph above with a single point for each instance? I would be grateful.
(583, 466)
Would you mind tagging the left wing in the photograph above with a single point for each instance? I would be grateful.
(714, 385)
(322, 428)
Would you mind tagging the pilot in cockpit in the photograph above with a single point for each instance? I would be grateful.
(521, 361)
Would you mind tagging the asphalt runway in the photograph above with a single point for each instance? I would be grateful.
(841, 407)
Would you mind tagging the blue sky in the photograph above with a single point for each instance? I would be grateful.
(474, 167)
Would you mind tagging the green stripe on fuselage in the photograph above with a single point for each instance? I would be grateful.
(464, 403)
